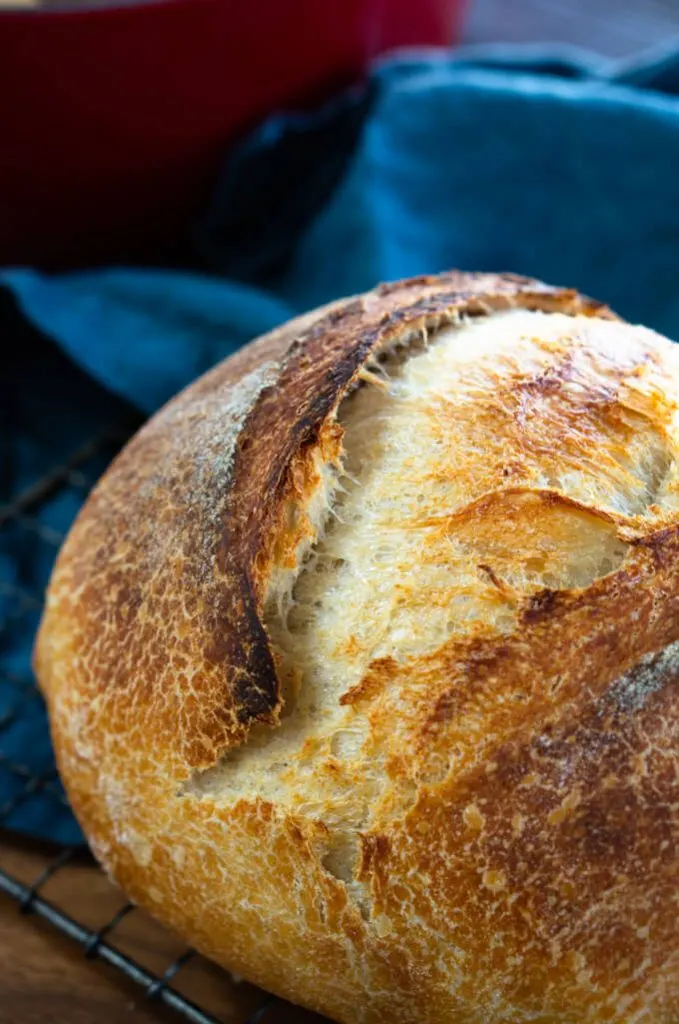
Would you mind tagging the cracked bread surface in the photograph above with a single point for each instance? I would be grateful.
(361, 660)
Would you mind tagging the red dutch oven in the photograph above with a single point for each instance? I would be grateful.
(113, 119)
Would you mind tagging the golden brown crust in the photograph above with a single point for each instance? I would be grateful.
(192, 536)
(546, 865)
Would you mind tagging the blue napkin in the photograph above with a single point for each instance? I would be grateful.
(553, 164)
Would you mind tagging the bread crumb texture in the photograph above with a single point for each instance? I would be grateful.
(441, 784)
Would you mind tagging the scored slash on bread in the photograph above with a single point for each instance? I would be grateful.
(361, 660)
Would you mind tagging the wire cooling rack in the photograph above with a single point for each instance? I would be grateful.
(104, 939)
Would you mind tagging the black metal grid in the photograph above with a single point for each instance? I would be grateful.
(23, 512)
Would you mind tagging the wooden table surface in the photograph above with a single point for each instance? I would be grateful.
(45, 978)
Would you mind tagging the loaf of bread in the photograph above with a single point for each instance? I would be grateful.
(362, 660)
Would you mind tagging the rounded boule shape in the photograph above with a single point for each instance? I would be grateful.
(362, 660)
